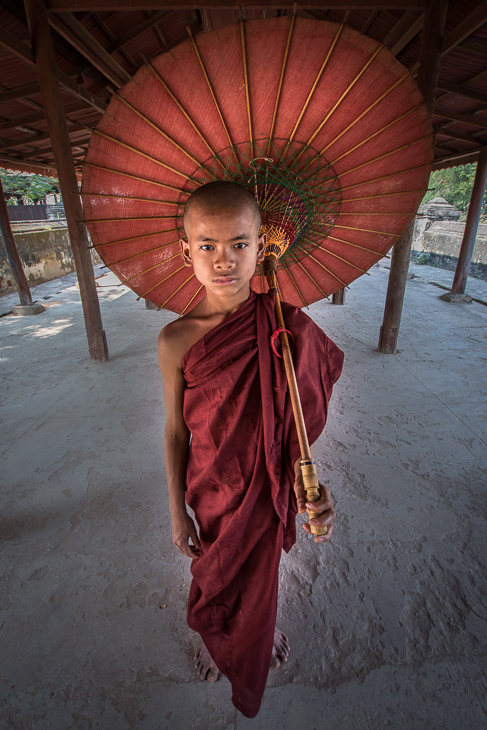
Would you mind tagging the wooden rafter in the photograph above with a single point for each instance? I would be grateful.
(404, 31)
(472, 22)
(443, 111)
(462, 90)
(98, 5)
(40, 116)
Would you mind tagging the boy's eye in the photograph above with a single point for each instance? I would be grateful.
(206, 247)
(241, 244)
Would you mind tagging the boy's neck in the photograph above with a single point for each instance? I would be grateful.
(223, 305)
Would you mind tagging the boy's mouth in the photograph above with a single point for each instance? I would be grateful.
(225, 279)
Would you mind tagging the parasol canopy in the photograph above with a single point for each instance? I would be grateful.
(324, 126)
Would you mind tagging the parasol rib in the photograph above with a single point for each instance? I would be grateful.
(200, 60)
(356, 245)
(386, 154)
(162, 281)
(134, 238)
(146, 271)
(142, 154)
(128, 197)
(312, 279)
(366, 212)
(176, 291)
(134, 177)
(326, 250)
(383, 129)
(368, 230)
(155, 127)
(320, 73)
(337, 104)
(297, 287)
(246, 78)
(385, 177)
(369, 108)
(179, 105)
(327, 270)
(142, 253)
(281, 78)
(380, 195)
(121, 219)
(191, 300)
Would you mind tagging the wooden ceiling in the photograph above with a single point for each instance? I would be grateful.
(101, 43)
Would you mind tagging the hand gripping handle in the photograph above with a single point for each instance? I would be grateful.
(311, 485)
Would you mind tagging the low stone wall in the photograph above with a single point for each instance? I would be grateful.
(439, 246)
(45, 255)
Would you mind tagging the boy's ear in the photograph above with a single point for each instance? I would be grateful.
(261, 244)
(186, 252)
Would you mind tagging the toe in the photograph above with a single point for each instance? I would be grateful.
(213, 674)
(275, 663)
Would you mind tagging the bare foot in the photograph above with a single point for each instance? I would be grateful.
(205, 665)
(280, 650)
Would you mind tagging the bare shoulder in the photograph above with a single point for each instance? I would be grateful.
(172, 344)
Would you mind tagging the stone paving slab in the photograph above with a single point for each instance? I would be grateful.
(387, 624)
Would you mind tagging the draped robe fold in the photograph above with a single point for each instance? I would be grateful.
(240, 476)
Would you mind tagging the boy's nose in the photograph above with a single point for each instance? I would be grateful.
(225, 261)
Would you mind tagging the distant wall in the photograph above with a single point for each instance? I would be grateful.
(439, 246)
(45, 255)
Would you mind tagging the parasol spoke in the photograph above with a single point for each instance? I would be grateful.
(142, 253)
(151, 268)
(179, 105)
(134, 177)
(385, 177)
(366, 212)
(323, 294)
(305, 303)
(200, 60)
(176, 291)
(386, 154)
(121, 219)
(327, 270)
(369, 108)
(380, 195)
(154, 126)
(337, 104)
(383, 129)
(134, 238)
(191, 300)
(281, 78)
(368, 230)
(320, 73)
(356, 245)
(142, 154)
(346, 261)
(246, 77)
(161, 282)
(129, 197)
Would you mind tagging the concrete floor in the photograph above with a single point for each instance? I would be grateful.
(387, 623)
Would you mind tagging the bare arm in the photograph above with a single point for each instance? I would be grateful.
(176, 443)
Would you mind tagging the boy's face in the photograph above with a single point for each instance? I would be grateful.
(223, 247)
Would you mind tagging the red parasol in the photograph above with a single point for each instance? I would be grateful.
(322, 124)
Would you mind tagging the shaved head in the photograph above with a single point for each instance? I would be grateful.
(220, 194)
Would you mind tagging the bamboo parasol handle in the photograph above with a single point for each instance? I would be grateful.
(307, 464)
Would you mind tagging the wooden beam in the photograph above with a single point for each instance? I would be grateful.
(49, 150)
(443, 163)
(472, 22)
(471, 225)
(72, 6)
(447, 132)
(13, 257)
(133, 33)
(431, 43)
(22, 51)
(369, 22)
(40, 116)
(13, 163)
(470, 44)
(30, 139)
(462, 90)
(112, 37)
(20, 91)
(443, 111)
(80, 38)
(404, 31)
(61, 144)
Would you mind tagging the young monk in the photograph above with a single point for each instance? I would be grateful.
(230, 443)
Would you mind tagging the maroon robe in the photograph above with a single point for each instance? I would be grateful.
(240, 478)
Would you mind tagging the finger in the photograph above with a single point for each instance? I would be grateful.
(324, 520)
(300, 497)
(195, 539)
(327, 536)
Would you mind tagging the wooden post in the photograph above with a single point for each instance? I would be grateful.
(429, 63)
(13, 257)
(338, 297)
(471, 225)
(401, 253)
(61, 147)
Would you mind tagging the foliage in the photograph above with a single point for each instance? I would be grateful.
(455, 185)
(32, 188)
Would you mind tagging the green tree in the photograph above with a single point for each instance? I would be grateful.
(33, 188)
(455, 185)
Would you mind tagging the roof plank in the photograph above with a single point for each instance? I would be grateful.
(72, 6)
